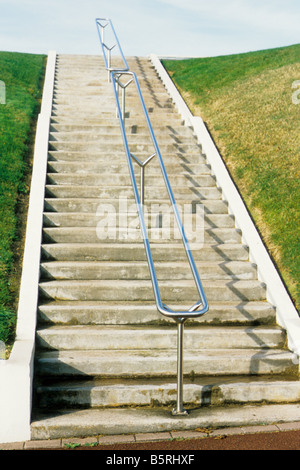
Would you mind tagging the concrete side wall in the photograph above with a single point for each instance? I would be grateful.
(17, 372)
(287, 315)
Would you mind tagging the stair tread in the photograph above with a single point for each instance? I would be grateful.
(83, 337)
(132, 313)
(163, 362)
(203, 381)
(159, 264)
(94, 422)
(146, 304)
(139, 270)
(128, 282)
(108, 231)
(152, 329)
(217, 355)
(128, 251)
(86, 219)
(134, 245)
(203, 391)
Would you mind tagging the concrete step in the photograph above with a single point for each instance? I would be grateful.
(111, 146)
(95, 179)
(187, 206)
(107, 119)
(81, 68)
(109, 338)
(96, 106)
(107, 231)
(90, 90)
(97, 116)
(110, 119)
(82, 110)
(93, 422)
(77, 270)
(135, 251)
(96, 76)
(118, 168)
(133, 109)
(91, 205)
(163, 363)
(78, 74)
(171, 292)
(62, 82)
(82, 65)
(90, 219)
(204, 391)
(113, 128)
(119, 158)
(77, 59)
(133, 140)
(101, 95)
(111, 192)
(175, 156)
(138, 313)
(79, 80)
(82, 72)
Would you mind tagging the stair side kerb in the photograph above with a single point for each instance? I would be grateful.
(16, 373)
(287, 314)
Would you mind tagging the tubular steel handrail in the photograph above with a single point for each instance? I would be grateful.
(102, 23)
(180, 316)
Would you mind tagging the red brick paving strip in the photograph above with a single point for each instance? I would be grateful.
(287, 434)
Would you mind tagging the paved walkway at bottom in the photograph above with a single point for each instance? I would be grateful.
(179, 439)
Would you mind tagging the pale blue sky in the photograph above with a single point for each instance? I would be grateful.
(165, 27)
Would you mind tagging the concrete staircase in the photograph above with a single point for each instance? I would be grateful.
(105, 359)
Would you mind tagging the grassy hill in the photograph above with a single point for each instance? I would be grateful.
(22, 75)
(246, 102)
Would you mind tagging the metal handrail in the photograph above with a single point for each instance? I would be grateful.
(101, 24)
(163, 309)
(180, 316)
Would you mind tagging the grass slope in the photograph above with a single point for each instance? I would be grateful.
(246, 101)
(22, 75)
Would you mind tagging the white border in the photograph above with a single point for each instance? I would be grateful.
(17, 372)
(277, 295)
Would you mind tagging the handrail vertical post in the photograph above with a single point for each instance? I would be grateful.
(179, 410)
(109, 65)
(123, 103)
(142, 185)
(117, 88)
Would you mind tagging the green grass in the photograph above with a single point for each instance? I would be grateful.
(22, 75)
(246, 102)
